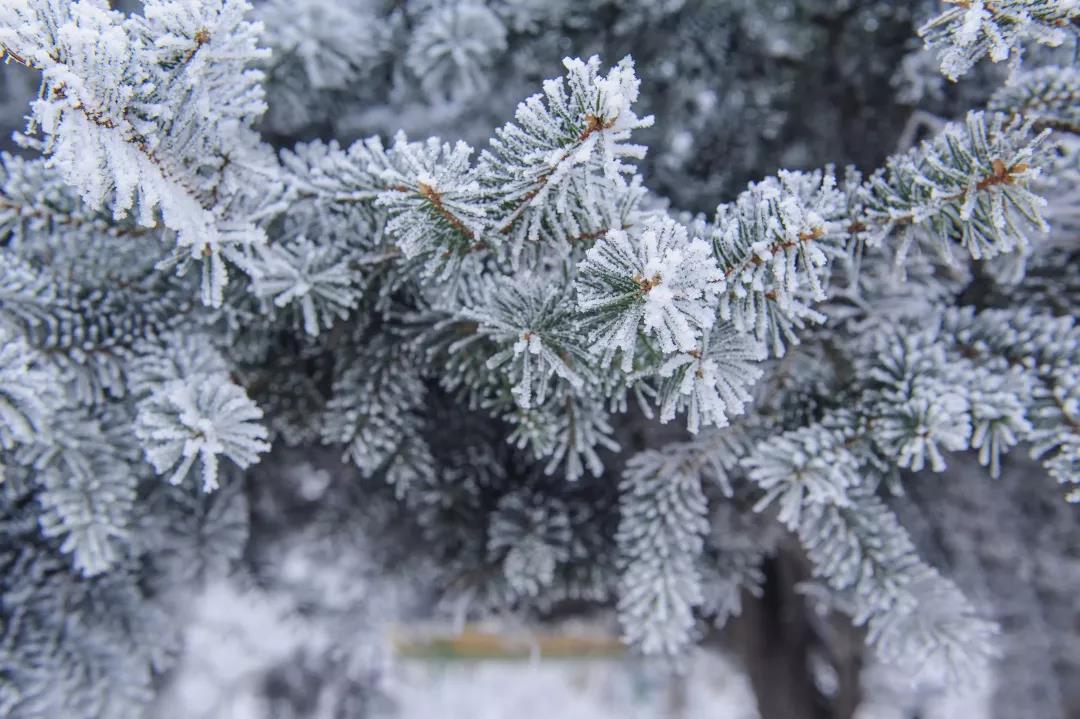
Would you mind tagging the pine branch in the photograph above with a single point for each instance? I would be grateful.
(660, 539)
(968, 186)
(1049, 96)
(998, 28)
(95, 131)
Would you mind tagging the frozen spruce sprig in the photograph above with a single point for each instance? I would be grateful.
(568, 430)
(138, 113)
(1045, 351)
(1056, 436)
(374, 412)
(653, 279)
(999, 417)
(27, 392)
(530, 535)
(201, 418)
(1050, 96)
(916, 618)
(532, 326)
(710, 383)
(315, 279)
(552, 174)
(919, 402)
(173, 356)
(551, 179)
(968, 30)
(88, 473)
(928, 392)
(433, 200)
(825, 491)
(317, 48)
(808, 466)
(969, 186)
(661, 533)
(918, 428)
(774, 244)
(453, 48)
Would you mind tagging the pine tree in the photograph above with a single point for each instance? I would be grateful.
(463, 347)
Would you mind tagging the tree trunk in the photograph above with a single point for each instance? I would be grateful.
(777, 639)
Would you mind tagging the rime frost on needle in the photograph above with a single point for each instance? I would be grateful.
(654, 279)
(138, 118)
(25, 390)
(204, 418)
(828, 341)
(554, 173)
(810, 466)
(432, 198)
(971, 29)
(313, 277)
(537, 337)
(711, 382)
(775, 243)
(661, 532)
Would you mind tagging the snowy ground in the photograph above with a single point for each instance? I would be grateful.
(589, 689)
(238, 640)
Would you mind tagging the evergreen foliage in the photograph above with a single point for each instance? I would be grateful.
(491, 330)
